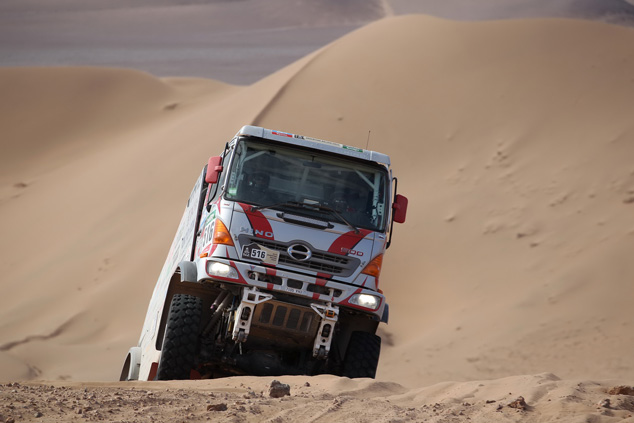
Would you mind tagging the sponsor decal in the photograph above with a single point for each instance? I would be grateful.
(211, 217)
(263, 254)
(207, 230)
(335, 144)
(263, 234)
(351, 252)
(208, 234)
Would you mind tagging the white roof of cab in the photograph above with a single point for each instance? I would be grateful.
(315, 143)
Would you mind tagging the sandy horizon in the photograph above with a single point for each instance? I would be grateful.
(237, 42)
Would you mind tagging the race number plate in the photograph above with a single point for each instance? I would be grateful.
(263, 254)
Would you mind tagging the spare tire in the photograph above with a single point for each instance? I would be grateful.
(362, 355)
(182, 338)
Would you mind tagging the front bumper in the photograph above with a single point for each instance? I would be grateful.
(290, 283)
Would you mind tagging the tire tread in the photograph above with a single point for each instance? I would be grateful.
(362, 355)
(181, 341)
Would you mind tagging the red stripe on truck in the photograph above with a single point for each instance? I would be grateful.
(153, 371)
(347, 241)
(261, 226)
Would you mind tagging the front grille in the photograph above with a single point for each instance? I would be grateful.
(320, 261)
(286, 316)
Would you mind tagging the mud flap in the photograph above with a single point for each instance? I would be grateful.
(188, 270)
(386, 314)
(132, 365)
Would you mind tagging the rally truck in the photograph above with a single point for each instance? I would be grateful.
(274, 269)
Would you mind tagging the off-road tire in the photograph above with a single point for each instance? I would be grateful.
(181, 341)
(362, 355)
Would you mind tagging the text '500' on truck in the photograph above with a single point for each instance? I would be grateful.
(275, 266)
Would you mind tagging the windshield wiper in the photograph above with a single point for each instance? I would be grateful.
(336, 214)
(317, 206)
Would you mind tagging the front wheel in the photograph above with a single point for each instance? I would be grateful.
(362, 355)
(182, 338)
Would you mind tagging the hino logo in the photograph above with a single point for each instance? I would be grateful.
(265, 234)
(299, 252)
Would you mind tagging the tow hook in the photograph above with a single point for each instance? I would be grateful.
(329, 315)
(244, 314)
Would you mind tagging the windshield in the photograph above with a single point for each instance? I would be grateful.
(268, 174)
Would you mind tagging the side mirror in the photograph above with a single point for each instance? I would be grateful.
(214, 168)
(400, 208)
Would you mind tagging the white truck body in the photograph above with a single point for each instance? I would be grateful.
(278, 257)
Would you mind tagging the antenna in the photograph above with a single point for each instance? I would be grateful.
(367, 143)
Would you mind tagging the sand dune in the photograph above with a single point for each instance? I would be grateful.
(518, 161)
(513, 141)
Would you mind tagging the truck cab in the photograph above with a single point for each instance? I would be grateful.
(275, 266)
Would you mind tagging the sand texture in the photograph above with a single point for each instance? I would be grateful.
(513, 276)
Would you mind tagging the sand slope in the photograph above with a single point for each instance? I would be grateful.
(518, 162)
(513, 140)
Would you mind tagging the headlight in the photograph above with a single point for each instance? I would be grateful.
(365, 300)
(215, 268)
